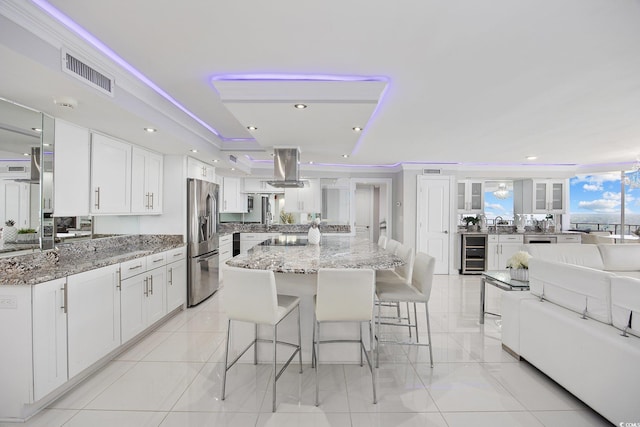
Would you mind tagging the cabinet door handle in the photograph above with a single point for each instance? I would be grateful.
(157, 260)
(151, 284)
(64, 298)
(135, 267)
(171, 276)
(119, 282)
(146, 286)
(177, 254)
(97, 204)
(151, 201)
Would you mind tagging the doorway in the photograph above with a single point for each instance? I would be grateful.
(371, 207)
(433, 220)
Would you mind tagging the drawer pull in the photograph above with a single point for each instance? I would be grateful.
(157, 260)
(136, 267)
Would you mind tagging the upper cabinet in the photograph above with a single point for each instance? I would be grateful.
(199, 170)
(305, 199)
(146, 182)
(259, 185)
(233, 201)
(470, 196)
(538, 196)
(110, 175)
(72, 162)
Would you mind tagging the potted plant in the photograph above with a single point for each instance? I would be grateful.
(471, 222)
(26, 234)
(9, 233)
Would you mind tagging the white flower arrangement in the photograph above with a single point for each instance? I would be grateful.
(519, 260)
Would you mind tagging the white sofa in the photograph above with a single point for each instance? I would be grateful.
(580, 323)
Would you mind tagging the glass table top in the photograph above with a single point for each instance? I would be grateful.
(504, 277)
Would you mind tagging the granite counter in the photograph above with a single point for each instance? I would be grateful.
(74, 258)
(332, 252)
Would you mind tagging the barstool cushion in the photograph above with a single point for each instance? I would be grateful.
(391, 292)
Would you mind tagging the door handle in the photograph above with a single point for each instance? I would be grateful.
(146, 286)
(97, 204)
(151, 285)
(64, 298)
(446, 232)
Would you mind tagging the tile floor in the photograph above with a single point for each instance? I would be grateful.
(172, 378)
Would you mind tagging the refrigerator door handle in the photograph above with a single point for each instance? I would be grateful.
(207, 258)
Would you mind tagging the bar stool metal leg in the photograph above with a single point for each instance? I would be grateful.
(426, 308)
(275, 368)
(226, 359)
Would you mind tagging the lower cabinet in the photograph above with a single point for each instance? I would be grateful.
(49, 337)
(226, 252)
(176, 285)
(143, 301)
(93, 316)
(501, 247)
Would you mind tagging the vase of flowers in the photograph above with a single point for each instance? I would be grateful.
(9, 233)
(313, 235)
(518, 266)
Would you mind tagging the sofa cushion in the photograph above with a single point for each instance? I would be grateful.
(618, 257)
(570, 253)
(580, 289)
(625, 304)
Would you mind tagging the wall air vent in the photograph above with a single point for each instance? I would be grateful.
(16, 168)
(75, 67)
(431, 171)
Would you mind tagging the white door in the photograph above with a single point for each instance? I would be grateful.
(364, 209)
(433, 220)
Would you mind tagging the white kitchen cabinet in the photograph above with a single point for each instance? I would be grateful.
(143, 295)
(259, 185)
(49, 312)
(306, 199)
(200, 170)
(176, 278)
(225, 250)
(146, 181)
(540, 196)
(470, 196)
(15, 202)
(93, 316)
(233, 201)
(110, 175)
(501, 247)
(568, 238)
(72, 173)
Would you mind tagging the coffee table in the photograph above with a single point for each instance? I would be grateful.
(501, 280)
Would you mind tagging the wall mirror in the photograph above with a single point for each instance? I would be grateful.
(26, 175)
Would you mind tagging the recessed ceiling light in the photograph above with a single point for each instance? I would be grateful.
(233, 169)
(300, 106)
(532, 157)
(36, 129)
(194, 150)
(311, 162)
(46, 144)
(26, 154)
(357, 129)
(150, 130)
(252, 128)
(345, 155)
(215, 160)
(66, 102)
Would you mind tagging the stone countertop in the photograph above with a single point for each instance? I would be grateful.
(18, 246)
(526, 233)
(228, 228)
(333, 252)
(74, 258)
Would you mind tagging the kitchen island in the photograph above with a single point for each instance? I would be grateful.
(295, 264)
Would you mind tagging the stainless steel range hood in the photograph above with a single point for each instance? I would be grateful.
(286, 171)
(34, 175)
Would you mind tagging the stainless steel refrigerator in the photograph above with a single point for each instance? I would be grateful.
(202, 240)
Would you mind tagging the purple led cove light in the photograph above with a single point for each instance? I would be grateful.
(89, 38)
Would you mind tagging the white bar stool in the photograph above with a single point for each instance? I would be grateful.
(344, 295)
(400, 276)
(250, 296)
(418, 291)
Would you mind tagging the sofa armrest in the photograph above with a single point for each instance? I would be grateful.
(625, 304)
(510, 307)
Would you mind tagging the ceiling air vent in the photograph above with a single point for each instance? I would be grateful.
(431, 171)
(75, 67)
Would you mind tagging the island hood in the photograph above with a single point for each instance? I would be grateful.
(34, 170)
(286, 171)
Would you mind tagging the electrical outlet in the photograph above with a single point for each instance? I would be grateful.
(8, 301)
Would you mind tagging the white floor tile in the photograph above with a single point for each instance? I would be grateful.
(246, 388)
(209, 419)
(116, 418)
(86, 391)
(205, 321)
(571, 419)
(466, 387)
(385, 419)
(186, 347)
(319, 419)
(149, 386)
(491, 419)
(144, 347)
(45, 418)
(534, 390)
